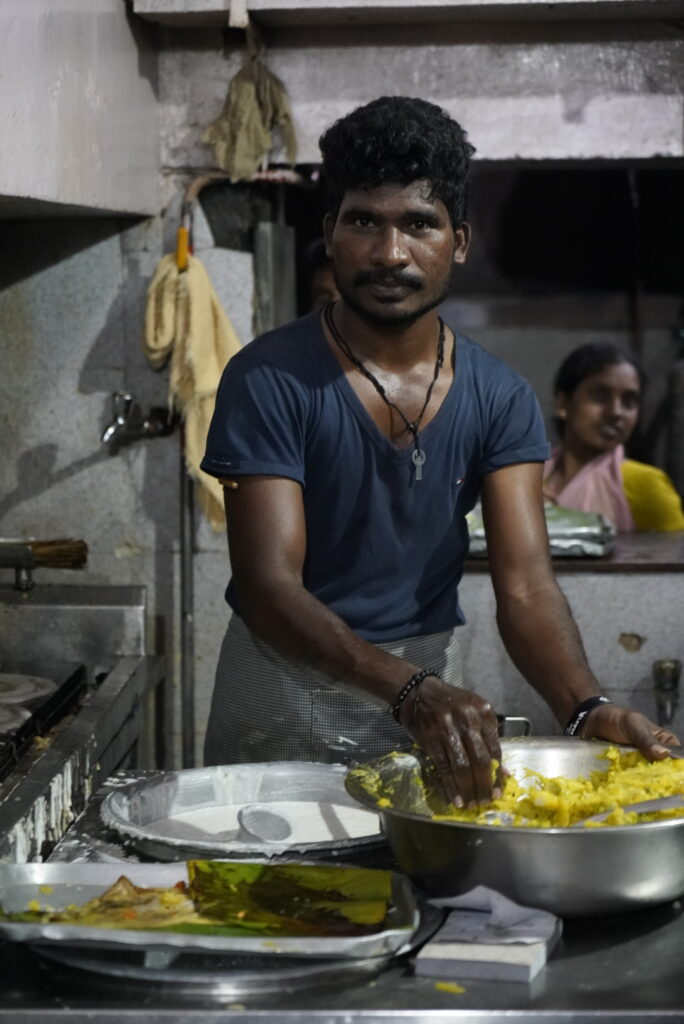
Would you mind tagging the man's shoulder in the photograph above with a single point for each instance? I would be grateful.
(484, 367)
(288, 347)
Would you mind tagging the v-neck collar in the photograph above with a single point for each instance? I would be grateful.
(366, 420)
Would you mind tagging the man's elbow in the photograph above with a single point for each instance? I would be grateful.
(525, 588)
(259, 597)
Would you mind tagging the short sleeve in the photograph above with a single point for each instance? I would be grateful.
(516, 431)
(258, 426)
(652, 498)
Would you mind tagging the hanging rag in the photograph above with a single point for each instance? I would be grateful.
(256, 103)
(185, 321)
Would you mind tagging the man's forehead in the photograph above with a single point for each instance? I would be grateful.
(416, 192)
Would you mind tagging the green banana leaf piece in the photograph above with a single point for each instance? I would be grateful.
(292, 899)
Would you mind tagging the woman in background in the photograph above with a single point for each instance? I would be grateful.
(597, 397)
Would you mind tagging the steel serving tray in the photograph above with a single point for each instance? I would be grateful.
(58, 885)
(572, 533)
(134, 811)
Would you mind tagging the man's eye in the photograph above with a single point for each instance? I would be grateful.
(420, 225)
(363, 222)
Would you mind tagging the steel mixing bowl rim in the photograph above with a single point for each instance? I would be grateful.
(367, 801)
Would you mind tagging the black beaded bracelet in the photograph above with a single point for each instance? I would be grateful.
(581, 712)
(415, 680)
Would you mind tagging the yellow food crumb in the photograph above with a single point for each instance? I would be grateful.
(34, 905)
(559, 802)
(47, 889)
(449, 986)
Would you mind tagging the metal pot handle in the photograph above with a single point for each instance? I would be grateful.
(524, 726)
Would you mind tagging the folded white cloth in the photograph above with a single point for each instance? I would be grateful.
(485, 915)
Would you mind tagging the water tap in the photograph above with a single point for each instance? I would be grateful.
(666, 674)
(129, 424)
(123, 407)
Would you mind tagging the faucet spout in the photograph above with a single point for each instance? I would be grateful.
(123, 407)
(129, 423)
(666, 674)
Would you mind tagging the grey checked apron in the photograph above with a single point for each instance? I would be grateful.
(266, 708)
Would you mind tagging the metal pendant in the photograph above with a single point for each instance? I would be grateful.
(418, 461)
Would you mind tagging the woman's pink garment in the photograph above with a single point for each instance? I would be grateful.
(597, 488)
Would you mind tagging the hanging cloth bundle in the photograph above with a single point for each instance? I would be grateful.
(185, 320)
(256, 104)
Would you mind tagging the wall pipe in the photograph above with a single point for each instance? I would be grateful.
(280, 176)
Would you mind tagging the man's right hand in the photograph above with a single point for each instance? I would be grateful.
(458, 731)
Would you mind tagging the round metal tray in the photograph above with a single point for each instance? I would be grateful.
(133, 810)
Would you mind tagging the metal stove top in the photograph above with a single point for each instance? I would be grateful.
(70, 680)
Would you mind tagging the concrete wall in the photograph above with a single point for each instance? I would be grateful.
(71, 313)
(605, 606)
(532, 90)
(78, 105)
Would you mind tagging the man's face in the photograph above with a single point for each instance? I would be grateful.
(393, 249)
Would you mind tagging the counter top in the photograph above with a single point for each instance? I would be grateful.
(627, 967)
(633, 552)
(624, 968)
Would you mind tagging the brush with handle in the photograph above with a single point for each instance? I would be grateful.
(25, 555)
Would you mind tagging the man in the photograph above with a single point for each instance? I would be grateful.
(352, 444)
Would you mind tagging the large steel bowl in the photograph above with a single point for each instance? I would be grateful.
(571, 872)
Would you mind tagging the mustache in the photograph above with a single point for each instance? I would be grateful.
(387, 277)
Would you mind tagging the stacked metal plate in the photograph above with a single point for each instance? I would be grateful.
(572, 534)
(218, 966)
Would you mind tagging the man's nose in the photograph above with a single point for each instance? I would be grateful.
(390, 248)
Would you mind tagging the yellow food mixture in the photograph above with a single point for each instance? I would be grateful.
(540, 802)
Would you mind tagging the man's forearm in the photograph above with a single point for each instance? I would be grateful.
(292, 621)
(544, 643)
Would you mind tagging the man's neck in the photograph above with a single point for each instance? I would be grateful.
(391, 346)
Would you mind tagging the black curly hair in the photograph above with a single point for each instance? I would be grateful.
(398, 139)
(592, 358)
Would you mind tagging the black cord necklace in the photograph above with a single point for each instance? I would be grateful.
(418, 456)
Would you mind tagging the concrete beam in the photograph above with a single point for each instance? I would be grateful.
(193, 13)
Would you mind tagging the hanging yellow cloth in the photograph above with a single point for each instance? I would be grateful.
(185, 320)
(256, 103)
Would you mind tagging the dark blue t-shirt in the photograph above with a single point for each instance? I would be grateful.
(383, 550)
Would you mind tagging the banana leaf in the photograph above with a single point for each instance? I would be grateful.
(292, 899)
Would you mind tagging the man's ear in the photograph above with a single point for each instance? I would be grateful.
(461, 242)
(328, 228)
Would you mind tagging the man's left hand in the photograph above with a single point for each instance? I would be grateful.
(618, 724)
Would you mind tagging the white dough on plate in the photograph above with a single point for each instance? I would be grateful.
(311, 822)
